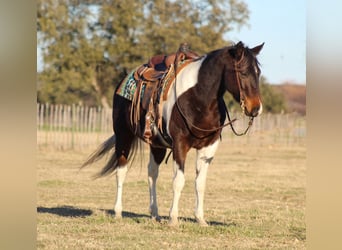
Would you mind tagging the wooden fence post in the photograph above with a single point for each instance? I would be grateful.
(64, 127)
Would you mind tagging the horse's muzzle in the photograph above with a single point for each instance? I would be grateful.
(254, 110)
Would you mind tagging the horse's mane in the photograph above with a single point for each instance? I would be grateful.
(244, 63)
(246, 60)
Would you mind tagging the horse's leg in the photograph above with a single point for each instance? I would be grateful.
(179, 154)
(124, 140)
(203, 159)
(178, 184)
(156, 157)
(120, 178)
(122, 151)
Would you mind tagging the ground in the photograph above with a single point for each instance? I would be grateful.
(255, 199)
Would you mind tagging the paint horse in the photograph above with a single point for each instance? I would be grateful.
(192, 116)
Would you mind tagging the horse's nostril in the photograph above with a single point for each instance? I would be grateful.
(255, 111)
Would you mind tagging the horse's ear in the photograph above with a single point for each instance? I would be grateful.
(256, 50)
(237, 51)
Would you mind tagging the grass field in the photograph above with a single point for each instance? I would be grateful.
(255, 199)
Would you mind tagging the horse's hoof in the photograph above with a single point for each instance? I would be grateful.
(156, 218)
(118, 216)
(173, 223)
(202, 222)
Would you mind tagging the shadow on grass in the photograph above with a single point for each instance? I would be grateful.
(66, 211)
(70, 211)
(126, 214)
(136, 218)
(210, 223)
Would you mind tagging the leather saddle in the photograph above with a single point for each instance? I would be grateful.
(149, 78)
(158, 65)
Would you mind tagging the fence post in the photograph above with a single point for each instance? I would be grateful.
(73, 124)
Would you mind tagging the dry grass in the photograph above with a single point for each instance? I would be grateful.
(255, 199)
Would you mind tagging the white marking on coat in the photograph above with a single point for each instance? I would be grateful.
(203, 159)
(177, 185)
(153, 171)
(120, 179)
(186, 79)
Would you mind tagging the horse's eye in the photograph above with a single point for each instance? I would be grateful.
(244, 74)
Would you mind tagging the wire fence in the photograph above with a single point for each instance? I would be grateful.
(65, 127)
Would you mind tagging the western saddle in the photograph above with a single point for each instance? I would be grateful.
(154, 79)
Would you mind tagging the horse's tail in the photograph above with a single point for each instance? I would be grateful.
(112, 163)
(101, 151)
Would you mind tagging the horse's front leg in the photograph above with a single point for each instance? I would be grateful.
(179, 155)
(203, 159)
(177, 185)
(156, 157)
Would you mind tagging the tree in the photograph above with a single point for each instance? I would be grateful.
(88, 46)
(273, 101)
(69, 56)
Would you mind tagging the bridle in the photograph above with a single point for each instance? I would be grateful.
(230, 121)
(242, 101)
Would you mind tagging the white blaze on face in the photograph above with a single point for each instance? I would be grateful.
(186, 79)
(260, 109)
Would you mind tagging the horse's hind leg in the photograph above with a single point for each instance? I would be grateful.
(124, 141)
(120, 178)
(121, 171)
(156, 157)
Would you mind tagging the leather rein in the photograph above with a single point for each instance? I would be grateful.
(230, 121)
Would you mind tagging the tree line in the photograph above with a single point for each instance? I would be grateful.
(88, 46)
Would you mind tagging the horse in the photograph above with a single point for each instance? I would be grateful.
(192, 117)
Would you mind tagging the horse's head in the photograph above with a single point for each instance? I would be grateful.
(243, 78)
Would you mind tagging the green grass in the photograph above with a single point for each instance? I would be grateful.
(255, 199)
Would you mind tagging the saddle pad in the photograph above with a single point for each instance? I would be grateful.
(128, 86)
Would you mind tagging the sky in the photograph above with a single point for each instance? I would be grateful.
(281, 24)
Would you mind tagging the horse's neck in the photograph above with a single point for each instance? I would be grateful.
(210, 85)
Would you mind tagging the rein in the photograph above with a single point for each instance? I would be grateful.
(250, 123)
(230, 121)
(242, 103)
